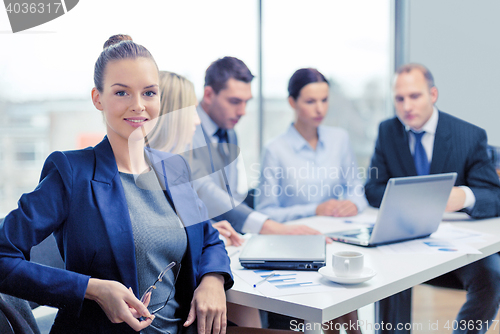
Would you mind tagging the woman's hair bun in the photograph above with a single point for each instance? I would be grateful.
(115, 39)
(117, 47)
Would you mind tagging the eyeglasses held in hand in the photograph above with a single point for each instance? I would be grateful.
(160, 279)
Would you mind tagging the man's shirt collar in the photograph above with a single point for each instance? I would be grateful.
(209, 125)
(431, 125)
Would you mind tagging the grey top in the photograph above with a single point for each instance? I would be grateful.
(159, 239)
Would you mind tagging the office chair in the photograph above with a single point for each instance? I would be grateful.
(494, 155)
(46, 253)
(11, 320)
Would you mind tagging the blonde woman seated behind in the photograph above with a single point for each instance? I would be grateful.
(175, 130)
(174, 133)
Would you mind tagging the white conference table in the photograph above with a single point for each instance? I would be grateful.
(395, 272)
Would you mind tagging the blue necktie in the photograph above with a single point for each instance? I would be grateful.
(419, 156)
(224, 152)
(222, 135)
(222, 147)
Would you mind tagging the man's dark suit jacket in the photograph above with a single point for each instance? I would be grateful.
(210, 192)
(458, 147)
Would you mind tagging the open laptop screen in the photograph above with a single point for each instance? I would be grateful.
(412, 207)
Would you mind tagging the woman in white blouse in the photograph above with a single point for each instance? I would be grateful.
(310, 169)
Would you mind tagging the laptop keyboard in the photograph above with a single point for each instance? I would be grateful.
(364, 234)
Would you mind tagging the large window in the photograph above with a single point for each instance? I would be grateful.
(350, 43)
(46, 73)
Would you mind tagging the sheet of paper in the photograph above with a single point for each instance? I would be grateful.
(365, 219)
(447, 239)
(428, 246)
(287, 282)
(449, 232)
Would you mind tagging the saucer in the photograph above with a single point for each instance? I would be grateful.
(365, 275)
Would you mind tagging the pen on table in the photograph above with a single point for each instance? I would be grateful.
(264, 280)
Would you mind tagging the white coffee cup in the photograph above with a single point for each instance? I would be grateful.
(347, 263)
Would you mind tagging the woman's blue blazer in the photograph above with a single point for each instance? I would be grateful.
(81, 200)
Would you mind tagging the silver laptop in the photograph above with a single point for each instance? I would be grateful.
(286, 252)
(412, 207)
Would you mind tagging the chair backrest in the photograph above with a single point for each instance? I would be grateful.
(47, 253)
(494, 155)
(14, 321)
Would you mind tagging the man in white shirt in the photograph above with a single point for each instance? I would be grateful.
(226, 93)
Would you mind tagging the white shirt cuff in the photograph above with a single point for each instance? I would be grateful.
(470, 199)
(254, 222)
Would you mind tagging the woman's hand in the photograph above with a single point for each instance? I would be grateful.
(336, 208)
(345, 208)
(226, 230)
(209, 305)
(119, 303)
(272, 227)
